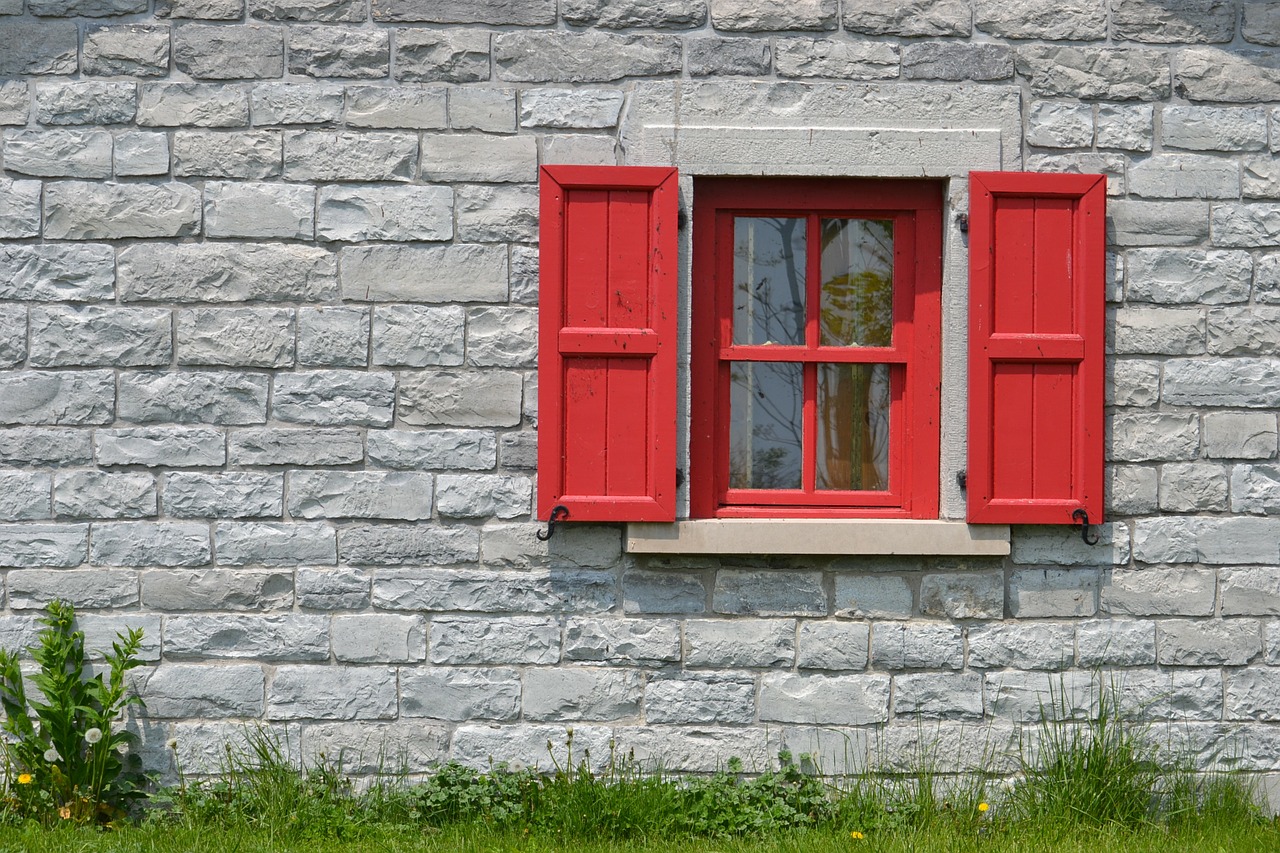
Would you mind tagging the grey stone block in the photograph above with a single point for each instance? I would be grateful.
(141, 154)
(519, 12)
(1116, 642)
(916, 645)
(193, 397)
(769, 593)
(259, 210)
(313, 155)
(1241, 77)
(471, 450)
(1141, 330)
(524, 274)
(25, 496)
(927, 695)
(808, 57)
(1184, 176)
(483, 495)
(100, 631)
(447, 56)
(1249, 591)
(1240, 435)
(19, 209)
(1255, 489)
(168, 446)
(209, 52)
(648, 591)
(275, 544)
(571, 108)
(740, 642)
(909, 18)
(57, 397)
(1192, 487)
(479, 747)
(217, 589)
(86, 103)
(1194, 21)
(332, 693)
(13, 335)
(757, 16)
(333, 336)
(192, 105)
(307, 10)
(472, 157)
(1161, 540)
(480, 591)
(585, 57)
(1214, 128)
(231, 494)
(1208, 642)
(385, 213)
(707, 57)
(502, 337)
(146, 543)
(296, 103)
(94, 335)
(383, 107)
(701, 699)
(393, 546)
(1244, 382)
(872, 597)
(956, 61)
(25, 446)
(1266, 279)
(43, 545)
(15, 102)
(335, 398)
(1260, 178)
(1077, 20)
(1153, 591)
(269, 446)
(424, 274)
(488, 214)
(94, 589)
(1253, 694)
(1134, 383)
(1038, 696)
(209, 692)
(1140, 437)
(339, 52)
(582, 694)
(579, 149)
(360, 494)
(236, 337)
(632, 642)
(97, 494)
(832, 645)
(519, 450)
(131, 50)
(700, 749)
(460, 398)
(1058, 124)
(621, 14)
(836, 699)
(254, 154)
(1212, 277)
(460, 694)
(489, 110)
(1053, 592)
(963, 596)
(264, 638)
(1116, 74)
(378, 638)
(514, 640)
(371, 750)
(79, 210)
(38, 47)
(506, 545)
(332, 589)
(1245, 225)
(85, 8)
(1125, 126)
(58, 153)
(417, 335)
(1022, 646)
(1050, 545)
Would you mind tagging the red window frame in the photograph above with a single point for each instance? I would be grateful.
(914, 357)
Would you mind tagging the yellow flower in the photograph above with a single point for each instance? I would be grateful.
(65, 812)
(857, 836)
(982, 807)
(24, 778)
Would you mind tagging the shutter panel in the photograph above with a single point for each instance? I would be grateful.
(607, 343)
(1036, 308)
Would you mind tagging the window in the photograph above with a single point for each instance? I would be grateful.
(815, 367)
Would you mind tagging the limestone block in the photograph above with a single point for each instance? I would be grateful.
(740, 642)
(26, 446)
(928, 695)
(460, 694)
(378, 638)
(1053, 592)
(579, 149)
(268, 446)
(1253, 591)
(201, 747)
(79, 210)
(582, 694)
(385, 213)
(193, 397)
(209, 52)
(38, 47)
(513, 640)
(768, 15)
(307, 10)
(1222, 76)
(489, 110)
(555, 591)
(1164, 540)
(473, 450)
(15, 102)
(85, 8)
(570, 108)
(1240, 435)
(296, 103)
(1193, 276)
(13, 335)
(1193, 486)
(370, 750)
(1159, 591)
(209, 692)
(701, 699)
(1084, 163)
(417, 335)
(1260, 178)
(696, 750)
(19, 212)
(360, 494)
(832, 645)
(192, 105)
(58, 153)
(1214, 128)
(243, 337)
(1184, 176)
(460, 398)
(1194, 21)
(413, 544)
(232, 494)
(621, 14)
(521, 746)
(206, 10)
(647, 591)
(1253, 694)
(956, 61)
(333, 336)
(506, 545)
(25, 497)
(807, 57)
(380, 106)
(217, 589)
(254, 154)
(1116, 642)
(1208, 642)
(524, 269)
(861, 596)
(501, 337)
(141, 154)
(259, 210)
(313, 155)
(1040, 645)
(464, 272)
(94, 589)
(1266, 279)
(769, 593)
(86, 103)
(1255, 489)
(1246, 225)
(335, 398)
(1244, 331)
(446, 56)
(835, 699)
(142, 543)
(1125, 126)
(483, 495)
(1158, 331)
(1245, 382)
(1140, 437)
(168, 446)
(470, 157)
(286, 637)
(518, 12)
(1131, 489)
(1115, 74)
(93, 335)
(632, 642)
(57, 397)
(296, 543)
(909, 18)
(332, 589)
(1077, 20)
(1261, 23)
(591, 56)
(963, 596)
(1035, 696)
(717, 57)
(332, 693)
(1134, 382)
(322, 51)
(916, 645)
(52, 545)
(98, 494)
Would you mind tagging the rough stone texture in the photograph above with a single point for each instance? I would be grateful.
(228, 53)
(259, 211)
(479, 158)
(570, 108)
(85, 590)
(193, 397)
(805, 57)
(79, 210)
(393, 546)
(333, 337)
(379, 106)
(19, 209)
(1261, 23)
(1191, 487)
(296, 103)
(234, 494)
(1214, 128)
(473, 450)
(490, 110)
(25, 496)
(764, 15)
(1118, 74)
(754, 593)
(460, 694)
(1027, 646)
(1240, 435)
(307, 10)
(38, 47)
(1189, 276)
(268, 638)
(519, 12)
(255, 154)
(424, 273)
(1208, 642)
(1053, 592)
(724, 699)
(482, 495)
(141, 154)
(94, 335)
(312, 155)
(1076, 20)
(620, 14)
(243, 337)
(1184, 176)
(449, 56)
(586, 57)
(733, 56)
(339, 52)
(938, 696)
(58, 153)
(342, 494)
(332, 693)
(173, 447)
(332, 589)
(86, 103)
(185, 690)
(460, 398)
(353, 214)
(1239, 77)
(490, 214)
(832, 646)
(622, 641)
(515, 640)
(843, 700)
(57, 397)
(217, 589)
(962, 596)
(647, 591)
(272, 544)
(909, 18)
(15, 102)
(378, 638)
(417, 336)
(947, 61)
(1126, 126)
(1116, 642)
(192, 104)
(335, 397)
(736, 643)
(863, 597)
(212, 272)
(1195, 21)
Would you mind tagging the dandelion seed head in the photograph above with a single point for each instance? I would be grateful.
(51, 755)
(93, 735)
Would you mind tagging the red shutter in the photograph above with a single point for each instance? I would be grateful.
(1036, 305)
(607, 343)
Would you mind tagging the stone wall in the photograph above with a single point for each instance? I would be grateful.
(267, 346)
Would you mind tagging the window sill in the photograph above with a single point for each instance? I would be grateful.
(818, 536)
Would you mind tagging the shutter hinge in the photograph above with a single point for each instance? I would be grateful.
(559, 513)
(1081, 515)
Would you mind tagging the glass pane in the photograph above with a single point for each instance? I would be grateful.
(768, 280)
(857, 283)
(853, 426)
(765, 429)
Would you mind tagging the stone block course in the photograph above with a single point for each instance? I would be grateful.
(85, 103)
(718, 699)
(910, 18)
(212, 52)
(962, 596)
(307, 10)
(516, 12)
(573, 693)
(1125, 126)
(417, 335)
(81, 210)
(323, 51)
(622, 14)
(460, 693)
(217, 589)
(1174, 276)
(474, 590)
(647, 591)
(511, 640)
(296, 103)
(98, 494)
(474, 450)
(1214, 128)
(448, 56)
(1192, 487)
(58, 153)
(766, 15)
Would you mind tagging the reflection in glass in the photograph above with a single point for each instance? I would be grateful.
(857, 283)
(853, 426)
(768, 280)
(765, 429)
